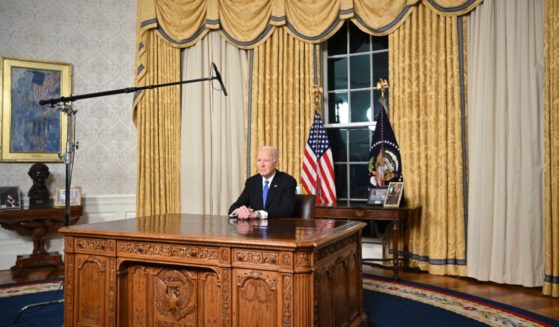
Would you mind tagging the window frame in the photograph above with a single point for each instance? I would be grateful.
(371, 125)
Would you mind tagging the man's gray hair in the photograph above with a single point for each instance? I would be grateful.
(275, 155)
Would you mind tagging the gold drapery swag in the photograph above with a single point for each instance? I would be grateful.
(248, 23)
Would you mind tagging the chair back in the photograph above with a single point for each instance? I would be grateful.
(304, 206)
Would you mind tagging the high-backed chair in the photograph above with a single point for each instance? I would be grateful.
(304, 206)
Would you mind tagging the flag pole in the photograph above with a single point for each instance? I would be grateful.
(317, 94)
(382, 84)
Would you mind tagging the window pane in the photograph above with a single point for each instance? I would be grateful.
(379, 43)
(338, 141)
(360, 71)
(340, 172)
(359, 144)
(337, 44)
(380, 66)
(337, 74)
(338, 108)
(358, 41)
(359, 180)
(361, 106)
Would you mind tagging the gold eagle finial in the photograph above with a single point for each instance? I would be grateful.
(382, 85)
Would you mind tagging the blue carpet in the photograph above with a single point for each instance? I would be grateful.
(45, 316)
(381, 309)
(393, 311)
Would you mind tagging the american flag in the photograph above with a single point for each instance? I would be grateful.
(317, 175)
(43, 83)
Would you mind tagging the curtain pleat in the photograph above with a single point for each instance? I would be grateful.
(426, 113)
(157, 119)
(281, 108)
(551, 147)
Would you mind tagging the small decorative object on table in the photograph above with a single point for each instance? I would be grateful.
(39, 195)
(377, 195)
(394, 194)
(75, 196)
(9, 198)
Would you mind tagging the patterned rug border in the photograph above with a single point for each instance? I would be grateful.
(14, 289)
(492, 313)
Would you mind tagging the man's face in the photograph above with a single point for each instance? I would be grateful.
(266, 163)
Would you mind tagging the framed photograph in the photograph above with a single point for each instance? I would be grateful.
(31, 132)
(9, 198)
(394, 194)
(75, 196)
(377, 196)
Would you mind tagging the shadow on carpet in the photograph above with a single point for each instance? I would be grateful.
(386, 303)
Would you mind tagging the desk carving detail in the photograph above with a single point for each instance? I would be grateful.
(167, 250)
(175, 293)
(96, 245)
(257, 257)
(287, 301)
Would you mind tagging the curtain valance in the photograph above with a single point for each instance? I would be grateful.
(247, 23)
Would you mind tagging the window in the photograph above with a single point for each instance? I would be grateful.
(355, 61)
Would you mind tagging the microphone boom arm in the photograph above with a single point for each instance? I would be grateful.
(72, 98)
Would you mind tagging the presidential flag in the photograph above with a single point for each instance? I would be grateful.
(385, 164)
(317, 175)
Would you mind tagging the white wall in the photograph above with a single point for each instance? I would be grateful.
(98, 38)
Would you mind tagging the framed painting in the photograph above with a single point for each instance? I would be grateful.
(31, 132)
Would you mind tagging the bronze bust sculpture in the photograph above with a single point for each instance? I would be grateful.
(39, 195)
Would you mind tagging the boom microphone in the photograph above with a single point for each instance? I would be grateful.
(218, 76)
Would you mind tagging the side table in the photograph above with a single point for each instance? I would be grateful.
(37, 223)
(398, 216)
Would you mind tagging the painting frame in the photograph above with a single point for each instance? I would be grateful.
(31, 132)
(394, 194)
(10, 198)
(75, 197)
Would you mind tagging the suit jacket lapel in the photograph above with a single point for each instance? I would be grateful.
(273, 188)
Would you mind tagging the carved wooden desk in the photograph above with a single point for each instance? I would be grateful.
(196, 270)
(38, 223)
(399, 217)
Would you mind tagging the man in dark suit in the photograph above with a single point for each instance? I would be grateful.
(269, 194)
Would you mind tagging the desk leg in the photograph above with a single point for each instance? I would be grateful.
(395, 237)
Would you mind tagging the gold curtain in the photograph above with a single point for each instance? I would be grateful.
(281, 110)
(426, 114)
(551, 147)
(156, 114)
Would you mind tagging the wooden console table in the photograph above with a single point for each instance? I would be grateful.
(398, 216)
(201, 270)
(37, 223)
